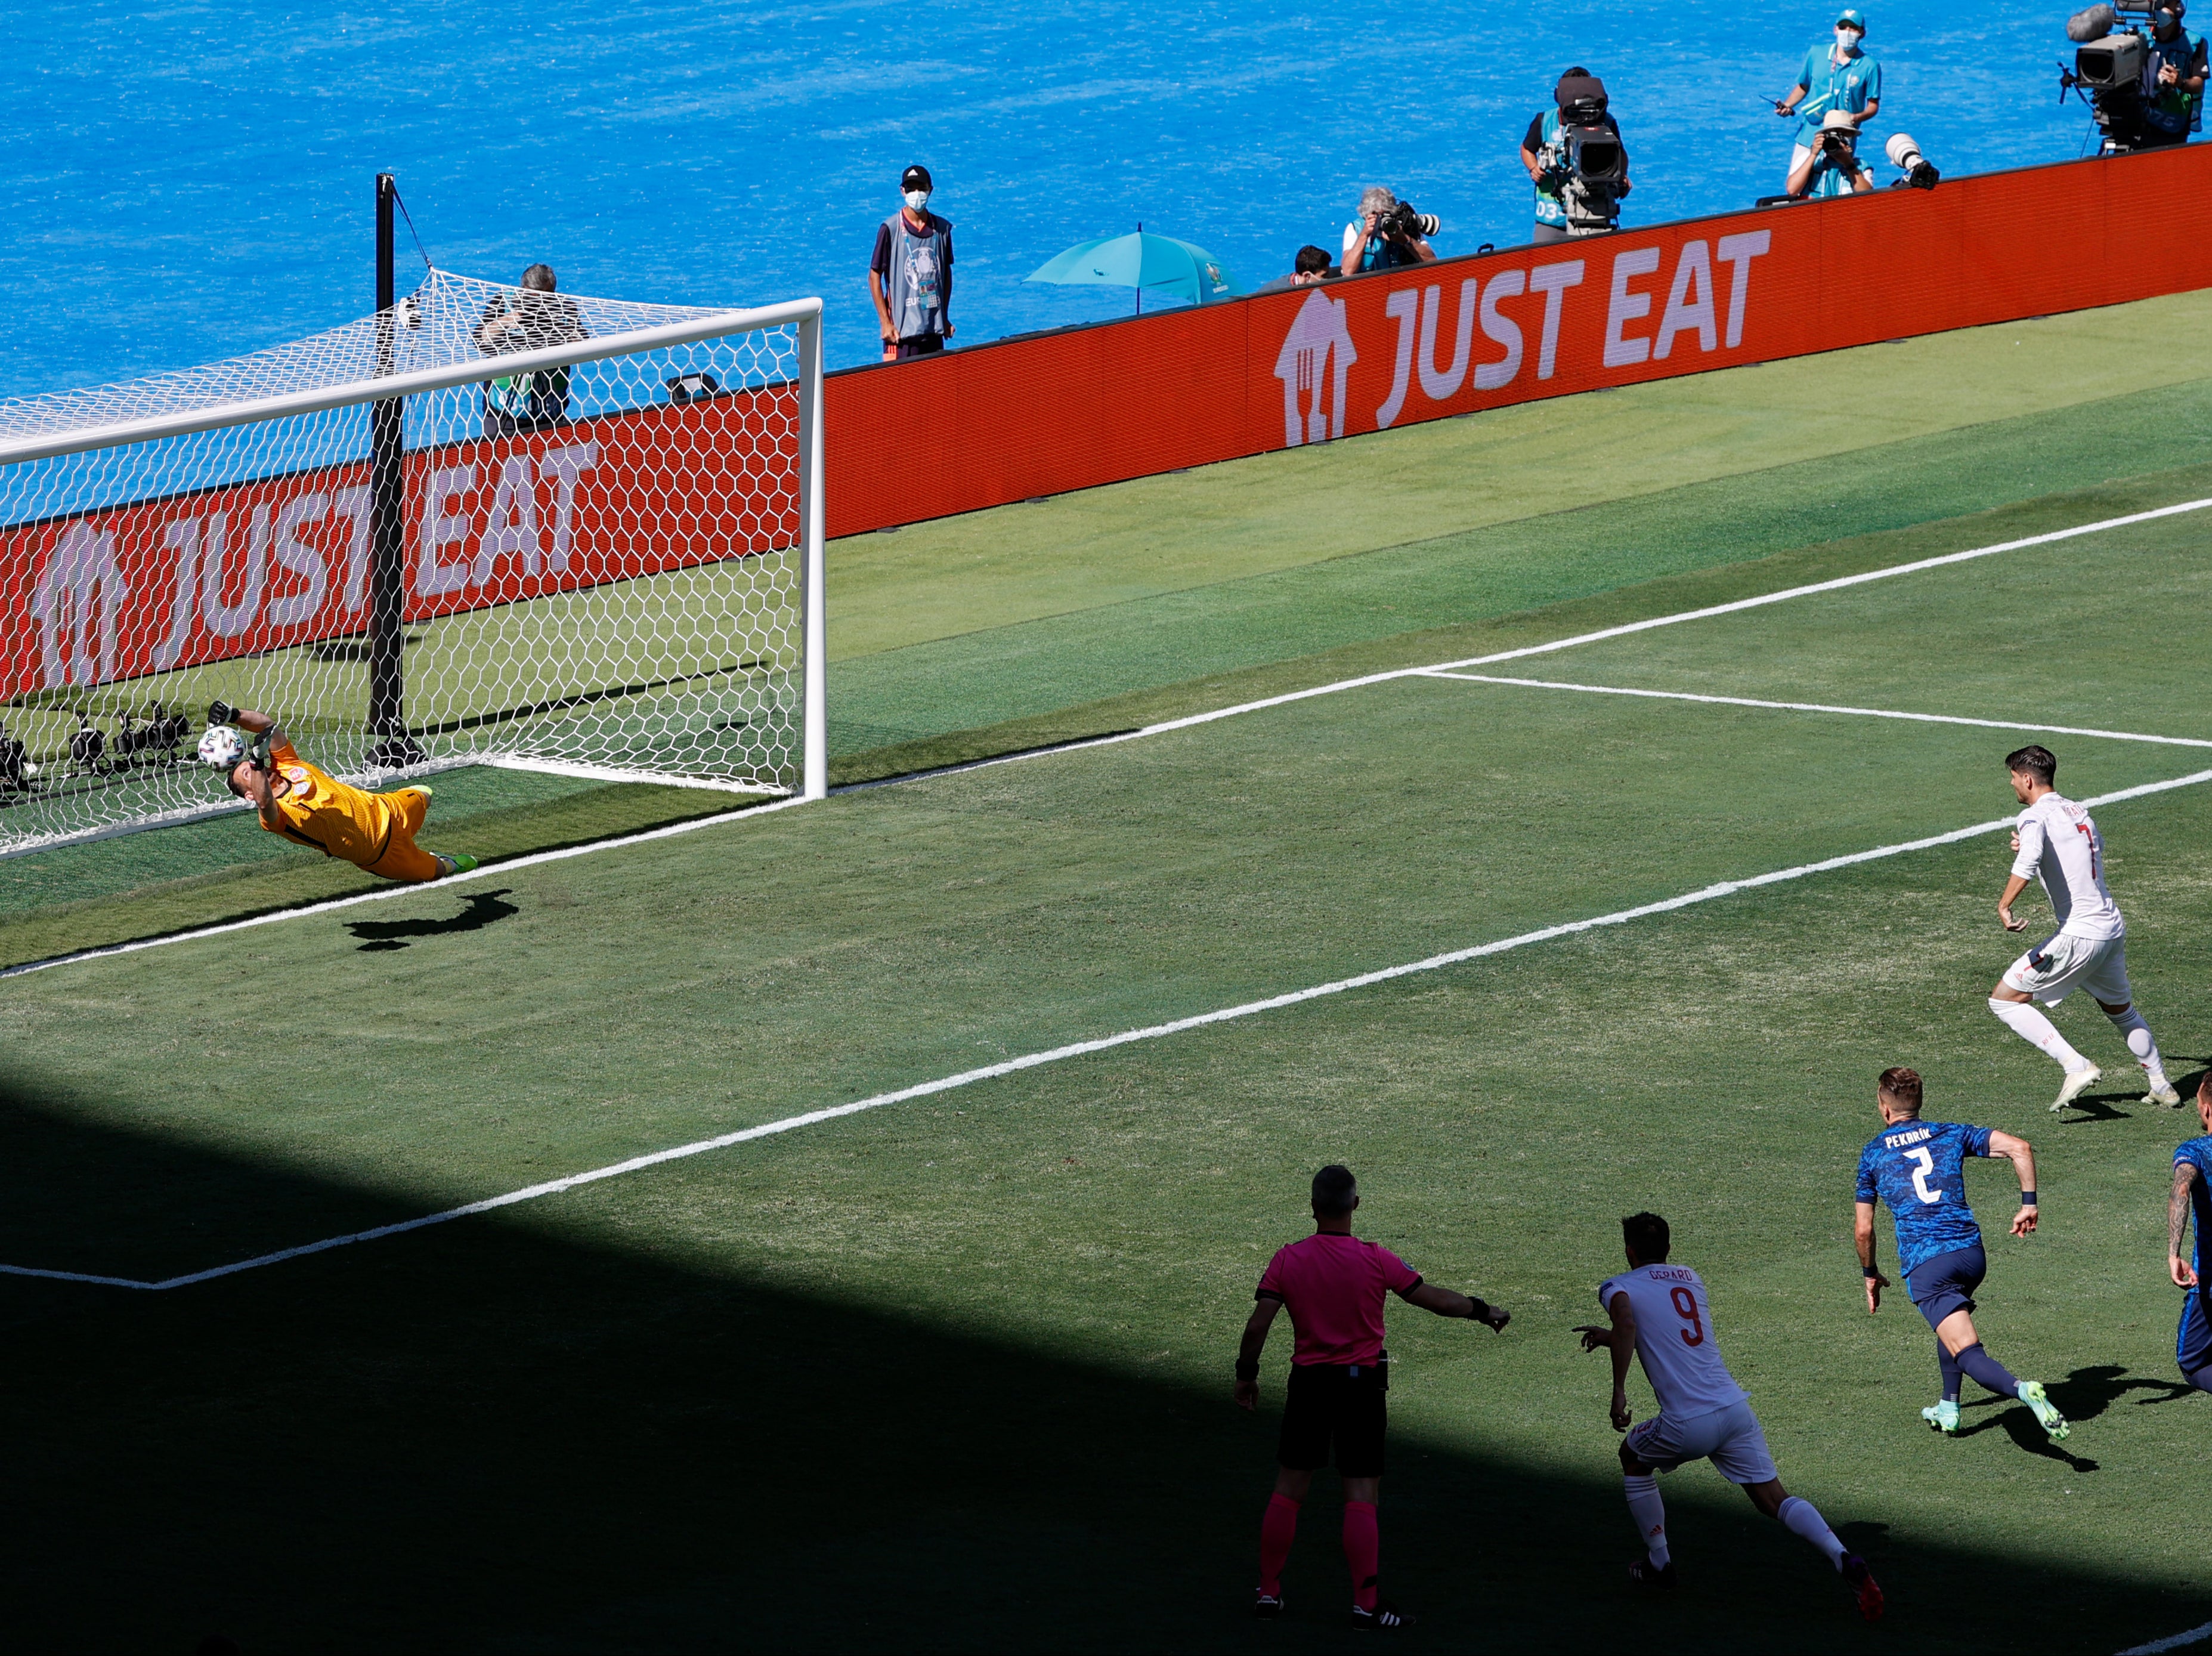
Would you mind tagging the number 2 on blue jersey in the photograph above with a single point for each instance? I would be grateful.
(1924, 1161)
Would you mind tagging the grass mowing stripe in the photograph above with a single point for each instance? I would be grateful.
(2194, 1635)
(1081, 1049)
(1816, 707)
(1161, 728)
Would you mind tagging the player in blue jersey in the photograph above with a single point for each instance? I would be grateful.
(1918, 1168)
(2192, 1190)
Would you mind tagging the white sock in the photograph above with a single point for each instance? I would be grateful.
(1649, 1512)
(2032, 1026)
(1800, 1517)
(2136, 1033)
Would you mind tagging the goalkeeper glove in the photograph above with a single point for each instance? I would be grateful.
(222, 712)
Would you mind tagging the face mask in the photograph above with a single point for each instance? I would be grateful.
(915, 198)
(1848, 39)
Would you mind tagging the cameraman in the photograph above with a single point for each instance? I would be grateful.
(1832, 167)
(2173, 79)
(1544, 153)
(1839, 77)
(1387, 233)
(528, 318)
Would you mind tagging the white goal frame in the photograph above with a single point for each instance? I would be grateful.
(82, 425)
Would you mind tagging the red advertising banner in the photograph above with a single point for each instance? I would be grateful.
(996, 423)
(214, 574)
(218, 573)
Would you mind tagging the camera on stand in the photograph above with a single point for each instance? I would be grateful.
(2111, 43)
(1589, 165)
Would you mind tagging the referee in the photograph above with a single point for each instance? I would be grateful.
(1334, 1284)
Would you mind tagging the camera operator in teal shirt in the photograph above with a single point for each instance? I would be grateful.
(1840, 76)
(2174, 78)
(1832, 167)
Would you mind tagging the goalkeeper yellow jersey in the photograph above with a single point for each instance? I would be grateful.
(336, 818)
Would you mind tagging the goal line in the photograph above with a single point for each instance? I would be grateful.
(1080, 1049)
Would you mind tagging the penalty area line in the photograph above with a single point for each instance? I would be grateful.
(1082, 1048)
(1816, 707)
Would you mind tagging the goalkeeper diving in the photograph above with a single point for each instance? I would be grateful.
(375, 832)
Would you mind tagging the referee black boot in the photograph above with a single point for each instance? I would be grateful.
(1385, 1618)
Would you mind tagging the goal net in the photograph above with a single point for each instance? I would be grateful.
(486, 525)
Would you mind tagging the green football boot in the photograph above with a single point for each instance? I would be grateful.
(460, 862)
(2047, 1412)
(1942, 1417)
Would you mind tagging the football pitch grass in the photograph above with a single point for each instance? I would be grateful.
(953, 1372)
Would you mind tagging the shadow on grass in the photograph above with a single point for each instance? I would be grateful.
(479, 912)
(493, 1437)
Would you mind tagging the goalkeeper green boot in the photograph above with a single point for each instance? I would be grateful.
(1942, 1417)
(2047, 1412)
(459, 863)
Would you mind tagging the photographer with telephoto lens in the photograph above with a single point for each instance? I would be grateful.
(1387, 232)
(1839, 76)
(1832, 167)
(1575, 157)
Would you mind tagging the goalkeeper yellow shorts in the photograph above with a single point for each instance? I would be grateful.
(402, 860)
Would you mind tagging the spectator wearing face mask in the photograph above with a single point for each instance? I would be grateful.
(911, 274)
(1837, 75)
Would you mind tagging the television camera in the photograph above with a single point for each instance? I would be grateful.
(2112, 44)
(1586, 162)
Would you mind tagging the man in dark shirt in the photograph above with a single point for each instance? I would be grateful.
(1567, 206)
(910, 273)
(1334, 1285)
(532, 317)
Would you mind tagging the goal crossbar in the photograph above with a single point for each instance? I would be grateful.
(712, 325)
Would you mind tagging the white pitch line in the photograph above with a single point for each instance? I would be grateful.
(1818, 707)
(2174, 1642)
(1103, 1044)
(499, 870)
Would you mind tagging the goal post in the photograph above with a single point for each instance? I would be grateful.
(486, 525)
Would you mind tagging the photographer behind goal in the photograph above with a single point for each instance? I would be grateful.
(1576, 160)
(1832, 167)
(1387, 232)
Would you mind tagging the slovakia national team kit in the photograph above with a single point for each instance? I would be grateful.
(2192, 1341)
(1703, 1414)
(2060, 846)
(1917, 1167)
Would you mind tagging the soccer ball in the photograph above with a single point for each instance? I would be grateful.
(222, 746)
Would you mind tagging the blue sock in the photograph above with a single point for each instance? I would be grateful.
(1978, 1362)
(1952, 1378)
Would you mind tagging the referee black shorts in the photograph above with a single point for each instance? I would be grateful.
(1329, 1406)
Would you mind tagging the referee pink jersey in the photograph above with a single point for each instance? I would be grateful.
(1334, 1286)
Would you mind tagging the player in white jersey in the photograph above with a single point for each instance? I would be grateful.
(1660, 1313)
(2057, 843)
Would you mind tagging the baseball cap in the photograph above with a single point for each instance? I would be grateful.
(916, 177)
(1854, 17)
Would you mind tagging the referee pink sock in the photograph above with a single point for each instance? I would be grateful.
(1277, 1530)
(1363, 1551)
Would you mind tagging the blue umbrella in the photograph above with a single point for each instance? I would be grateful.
(1140, 261)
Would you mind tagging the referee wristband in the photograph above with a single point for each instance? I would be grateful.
(2028, 1198)
(1248, 1368)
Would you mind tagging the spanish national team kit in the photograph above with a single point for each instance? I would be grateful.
(2060, 846)
(1703, 1414)
(2192, 1341)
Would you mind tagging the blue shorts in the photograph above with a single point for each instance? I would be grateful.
(2192, 1341)
(1947, 1282)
